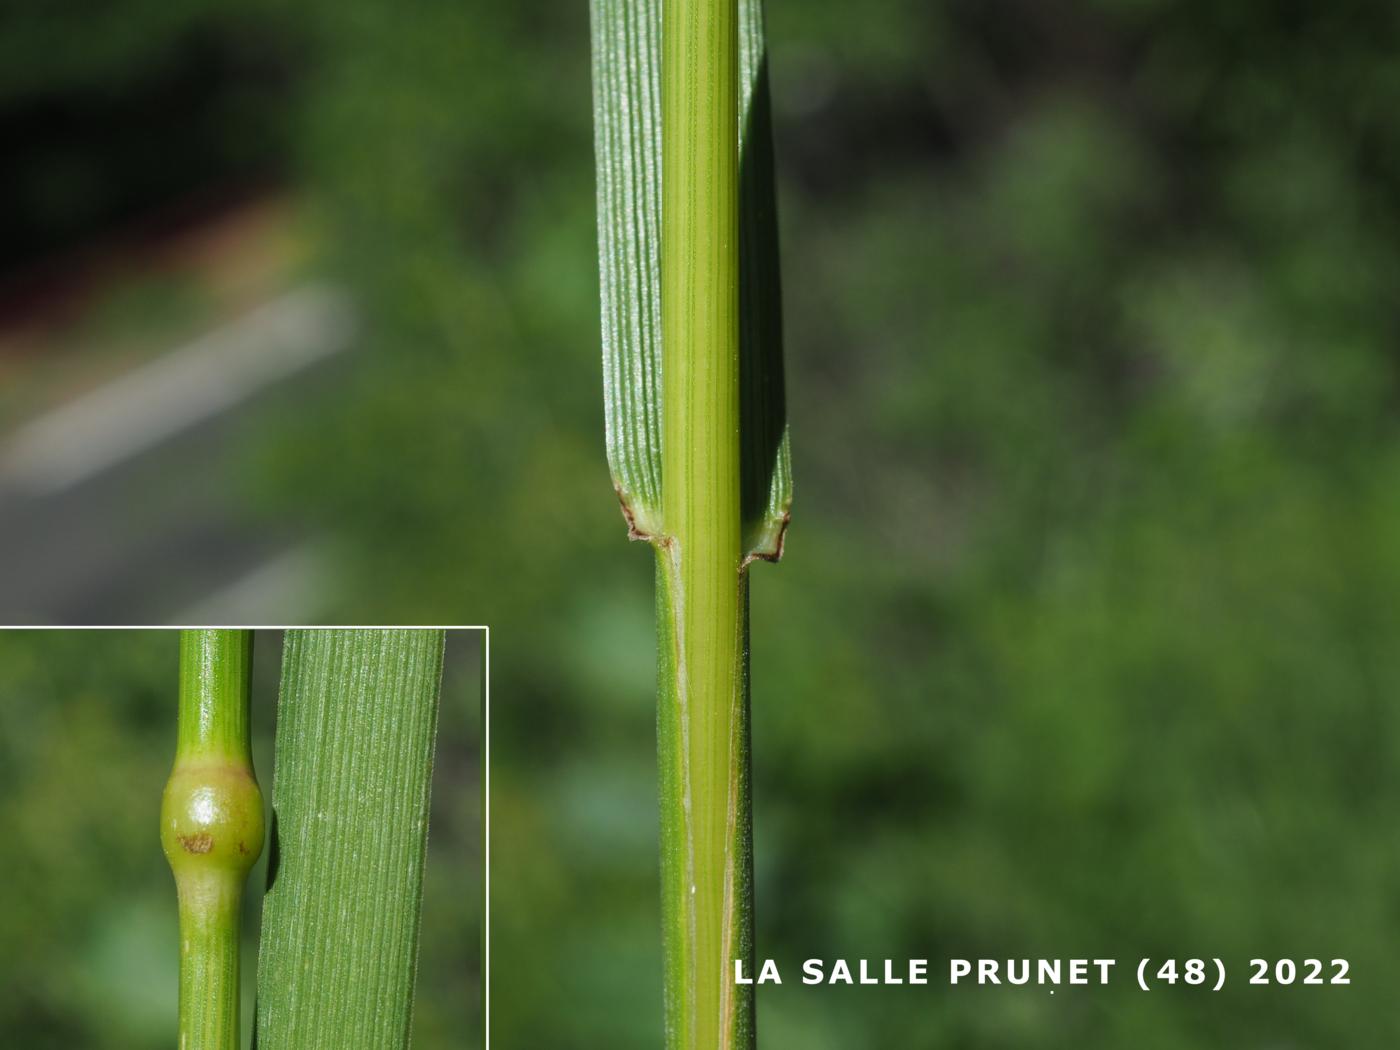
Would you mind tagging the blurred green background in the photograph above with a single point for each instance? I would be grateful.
(89, 941)
(1084, 643)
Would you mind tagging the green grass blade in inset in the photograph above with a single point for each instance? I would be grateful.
(357, 720)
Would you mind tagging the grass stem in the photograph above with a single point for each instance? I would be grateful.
(697, 439)
(703, 704)
(211, 830)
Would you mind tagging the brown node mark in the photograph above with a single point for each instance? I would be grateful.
(201, 843)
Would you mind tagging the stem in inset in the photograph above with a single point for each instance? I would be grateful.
(701, 590)
(211, 830)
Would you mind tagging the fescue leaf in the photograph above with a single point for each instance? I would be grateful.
(697, 441)
(357, 719)
(627, 127)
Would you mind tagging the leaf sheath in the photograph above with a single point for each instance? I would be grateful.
(697, 439)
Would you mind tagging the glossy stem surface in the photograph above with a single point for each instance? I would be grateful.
(703, 702)
(211, 830)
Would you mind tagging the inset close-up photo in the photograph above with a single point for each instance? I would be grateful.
(313, 792)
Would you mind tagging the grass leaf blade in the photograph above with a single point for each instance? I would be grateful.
(357, 720)
(766, 467)
(627, 128)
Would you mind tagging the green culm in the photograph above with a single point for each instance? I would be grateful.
(212, 830)
(697, 440)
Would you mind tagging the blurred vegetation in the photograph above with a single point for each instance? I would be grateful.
(89, 946)
(114, 110)
(1085, 637)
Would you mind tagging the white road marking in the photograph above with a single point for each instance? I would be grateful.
(128, 416)
(288, 584)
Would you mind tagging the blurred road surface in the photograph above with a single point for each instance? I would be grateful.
(123, 505)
